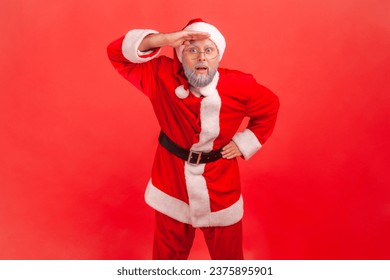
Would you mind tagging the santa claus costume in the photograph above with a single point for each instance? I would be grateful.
(189, 194)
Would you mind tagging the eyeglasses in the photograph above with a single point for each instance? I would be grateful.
(194, 52)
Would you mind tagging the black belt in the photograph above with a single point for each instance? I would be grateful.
(192, 157)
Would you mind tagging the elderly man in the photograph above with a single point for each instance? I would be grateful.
(199, 106)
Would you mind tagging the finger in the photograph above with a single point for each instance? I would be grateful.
(229, 154)
(198, 35)
(228, 146)
(226, 150)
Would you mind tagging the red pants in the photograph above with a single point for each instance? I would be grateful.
(173, 240)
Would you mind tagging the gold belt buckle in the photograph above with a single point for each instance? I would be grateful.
(199, 154)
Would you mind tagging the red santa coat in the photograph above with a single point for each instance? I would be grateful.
(206, 194)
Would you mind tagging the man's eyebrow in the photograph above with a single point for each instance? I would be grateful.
(194, 43)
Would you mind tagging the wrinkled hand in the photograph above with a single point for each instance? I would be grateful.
(183, 37)
(231, 151)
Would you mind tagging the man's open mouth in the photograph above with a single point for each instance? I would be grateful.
(201, 68)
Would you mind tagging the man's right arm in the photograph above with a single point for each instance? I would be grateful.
(131, 63)
(173, 39)
(130, 53)
(141, 45)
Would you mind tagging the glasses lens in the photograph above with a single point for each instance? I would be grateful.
(209, 52)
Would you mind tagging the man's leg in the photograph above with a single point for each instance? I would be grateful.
(224, 243)
(172, 239)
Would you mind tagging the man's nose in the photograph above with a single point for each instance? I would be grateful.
(202, 56)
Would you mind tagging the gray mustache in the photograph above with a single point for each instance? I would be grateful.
(201, 64)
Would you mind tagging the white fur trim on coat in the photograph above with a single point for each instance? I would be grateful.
(166, 204)
(197, 189)
(198, 195)
(131, 43)
(209, 117)
(228, 216)
(180, 210)
(247, 143)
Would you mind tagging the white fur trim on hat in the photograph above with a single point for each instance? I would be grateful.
(215, 36)
(131, 43)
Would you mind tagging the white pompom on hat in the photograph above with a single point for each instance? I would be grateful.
(202, 26)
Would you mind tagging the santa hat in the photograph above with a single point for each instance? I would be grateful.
(215, 36)
(202, 26)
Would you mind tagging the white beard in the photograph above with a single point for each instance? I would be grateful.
(199, 80)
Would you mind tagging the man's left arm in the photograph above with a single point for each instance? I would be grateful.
(262, 109)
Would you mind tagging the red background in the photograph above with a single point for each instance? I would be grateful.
(77, 140)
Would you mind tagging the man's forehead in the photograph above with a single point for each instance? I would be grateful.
(203, 43)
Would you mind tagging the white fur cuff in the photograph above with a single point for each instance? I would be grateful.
(131, 43)
(247, 143)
